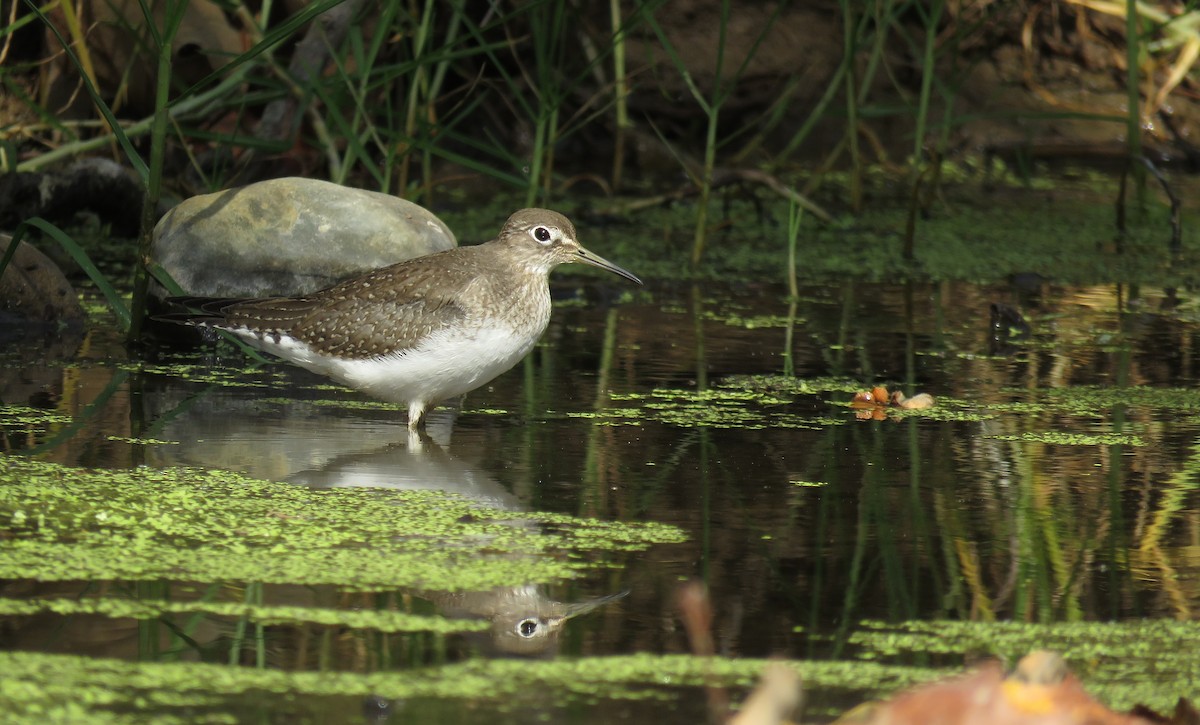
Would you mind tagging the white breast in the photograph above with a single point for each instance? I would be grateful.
(445, 365)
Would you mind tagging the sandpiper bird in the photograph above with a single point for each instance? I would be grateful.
(421, 331)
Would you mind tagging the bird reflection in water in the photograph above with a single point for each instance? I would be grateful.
(310, 445)
(525, 620)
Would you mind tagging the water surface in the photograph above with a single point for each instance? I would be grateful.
(1054, 482)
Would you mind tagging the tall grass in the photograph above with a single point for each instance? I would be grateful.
(1133, 122)
(547, 27)
(164, 47)
(710, 104)
(931, 15)
(166, 110)
(850, 51)
(621, 122)
(458, 82)
(795, 219)
(424, 88)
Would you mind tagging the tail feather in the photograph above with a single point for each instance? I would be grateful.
(199, 310)
(267, 314)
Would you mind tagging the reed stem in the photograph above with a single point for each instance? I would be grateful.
(172, 18)
(1133, 123)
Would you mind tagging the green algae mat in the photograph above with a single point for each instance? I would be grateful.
(69, 524)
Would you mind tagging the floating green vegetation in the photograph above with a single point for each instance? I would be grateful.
(97, 309)
(65, 523)
(20, 418)
(1093, 401)
(742, 401)
(789, 385)
(612, 416)
(1094, 397)
(753, 322)
(1089, 401)
(942, 411)
(253, 376)
(486, 411)
(142, 441)
(1018, 407)
(344, 403)
(753, 402)
(1059, 438)
(809, 484)
(1152, 662)
(63, 688)
(946, 409)
(722, 408)
(146, 609)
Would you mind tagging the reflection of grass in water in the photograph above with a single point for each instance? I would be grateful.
(182, 524)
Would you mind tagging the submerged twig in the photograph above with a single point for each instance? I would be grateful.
(1176, 243)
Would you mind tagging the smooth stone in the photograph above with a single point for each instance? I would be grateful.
(290, 237)
(34, 290)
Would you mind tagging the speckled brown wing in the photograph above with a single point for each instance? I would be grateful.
(386, 311)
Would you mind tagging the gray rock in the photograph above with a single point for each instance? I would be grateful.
(289, 237)
(33, 288)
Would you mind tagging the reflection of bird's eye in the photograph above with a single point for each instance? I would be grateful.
(542, 234)
(527, 627)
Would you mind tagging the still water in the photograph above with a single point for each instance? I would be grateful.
(1055, 481)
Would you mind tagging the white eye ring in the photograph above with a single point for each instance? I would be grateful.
(527, 628)
(543, 235)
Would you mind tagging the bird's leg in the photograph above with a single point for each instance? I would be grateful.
(416, 414)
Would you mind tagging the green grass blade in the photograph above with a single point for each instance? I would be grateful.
(163, 277)
(677, 61)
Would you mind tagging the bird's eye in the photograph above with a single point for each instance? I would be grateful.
(542, 234)
(527, 628)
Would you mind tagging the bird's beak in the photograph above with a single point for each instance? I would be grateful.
(583, 255)
(570, 611)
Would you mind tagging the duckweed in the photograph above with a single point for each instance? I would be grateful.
(146, 609)
(1059, 438)
(185, 524)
